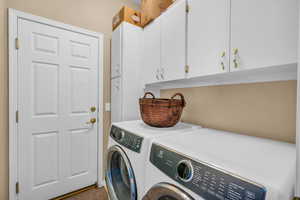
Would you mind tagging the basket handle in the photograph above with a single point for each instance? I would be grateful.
(150, 93)
(182, 98)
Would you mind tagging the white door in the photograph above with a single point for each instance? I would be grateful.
(116, 52)
(58, 74)
(152, 52)
(208, 37)
(263, 33)
(116, 100)
(173, 41)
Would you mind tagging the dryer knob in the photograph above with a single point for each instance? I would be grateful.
(120, 135)
(185, 170)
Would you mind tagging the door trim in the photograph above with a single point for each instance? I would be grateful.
(13, 16)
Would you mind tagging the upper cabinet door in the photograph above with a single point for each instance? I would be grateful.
(116, 49)
(208, 37)
(151, 52)
(263, 33)
(173, 41)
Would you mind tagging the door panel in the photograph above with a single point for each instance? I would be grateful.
(79, 90)
(45, 168)
(57, 86)
(131, 75)
(45, 88)
(264, 35)
(173, 41)
(45, 43)
(208, 37)
(116, 100)
(116, 52)
(79, 156)
(151, 51)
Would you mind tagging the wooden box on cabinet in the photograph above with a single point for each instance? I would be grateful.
(151, 9)
(127, 14)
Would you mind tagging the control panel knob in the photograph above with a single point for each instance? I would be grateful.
(120, 135)
(113, 132)
(185, 170)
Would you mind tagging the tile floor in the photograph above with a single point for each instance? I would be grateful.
(93, 194)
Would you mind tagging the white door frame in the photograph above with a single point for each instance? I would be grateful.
(14, 15)
(297, 189)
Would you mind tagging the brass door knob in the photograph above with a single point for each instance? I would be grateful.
(92, 121)
(93, 109)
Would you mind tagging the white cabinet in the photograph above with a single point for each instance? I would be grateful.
(173, 41)
(230, 35)
(151, 52)
(126, 87)
(216, 38)
(164, 45)
(263, 33)
(208, 37)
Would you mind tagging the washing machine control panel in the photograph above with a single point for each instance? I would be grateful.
(126, 139)
(208, 181)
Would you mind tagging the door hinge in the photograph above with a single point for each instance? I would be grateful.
(17, 187)
(17, 42)
(187, 69)
(187, 8)
(17, 116)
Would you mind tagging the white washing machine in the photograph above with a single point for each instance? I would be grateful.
(215, 165)
(128, 148)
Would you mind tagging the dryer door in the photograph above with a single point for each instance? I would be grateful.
(120, 179)
(165, 191)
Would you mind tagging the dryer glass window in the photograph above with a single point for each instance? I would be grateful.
(120, 177)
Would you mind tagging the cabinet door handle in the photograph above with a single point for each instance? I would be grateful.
(118, 69)
(223, 60)
(117, 85)
(223, 66)
(236, 58)
(157, 72)
(162, 73)
(236, 64)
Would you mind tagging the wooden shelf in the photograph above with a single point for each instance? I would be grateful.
(265, 74)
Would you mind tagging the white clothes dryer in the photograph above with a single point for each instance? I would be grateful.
(128, 148)
(215, 165)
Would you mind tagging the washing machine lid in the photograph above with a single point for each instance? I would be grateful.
(269, 163)
(120, 178)
(139, 128)
(166, 191)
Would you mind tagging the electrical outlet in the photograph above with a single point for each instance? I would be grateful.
(107, 107)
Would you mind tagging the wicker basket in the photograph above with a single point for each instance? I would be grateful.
(161, 112)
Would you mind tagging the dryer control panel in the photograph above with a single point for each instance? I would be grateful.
(208, 181)
(126, 139)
